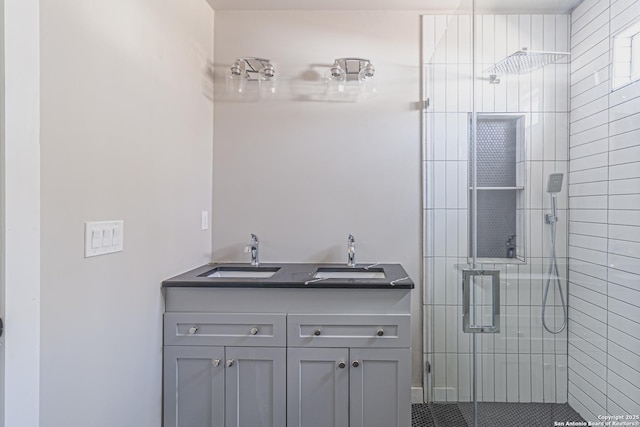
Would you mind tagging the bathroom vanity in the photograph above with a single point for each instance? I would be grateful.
(296, 345)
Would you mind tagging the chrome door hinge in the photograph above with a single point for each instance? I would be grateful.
(427, 367)
(426, 104)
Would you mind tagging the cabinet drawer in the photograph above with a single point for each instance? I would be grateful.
(357, 330)
(236, 329)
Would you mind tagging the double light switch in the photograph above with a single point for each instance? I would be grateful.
(103, 237)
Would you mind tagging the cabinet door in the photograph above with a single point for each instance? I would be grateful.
(318, 387)
(255, 387)
(194, 386)
(380, 387)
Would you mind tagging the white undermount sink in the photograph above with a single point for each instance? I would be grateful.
(345, 274)
(242, 272)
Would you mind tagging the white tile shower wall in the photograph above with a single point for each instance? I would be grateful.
(521, 363)
(604, 228)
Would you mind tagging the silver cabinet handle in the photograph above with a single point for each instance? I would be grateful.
(193, 330)
(216, 362)
(380, 332)
(341, 365)
(254, 331)
(317, 332)
(355, 363)
(229, 363)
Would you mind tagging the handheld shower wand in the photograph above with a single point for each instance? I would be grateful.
(554, 185)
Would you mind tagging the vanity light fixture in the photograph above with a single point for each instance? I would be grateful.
(349, 69)
(251, 68)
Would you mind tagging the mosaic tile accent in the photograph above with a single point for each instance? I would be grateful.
(492, 414)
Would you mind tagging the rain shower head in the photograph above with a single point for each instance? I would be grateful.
(525, 61)
(554, 185)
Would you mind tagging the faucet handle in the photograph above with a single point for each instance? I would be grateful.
(253, 248)
(252, 245)
(351, 251)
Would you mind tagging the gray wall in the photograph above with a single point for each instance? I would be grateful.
(604, 232)
(302, 172)
(126, 134)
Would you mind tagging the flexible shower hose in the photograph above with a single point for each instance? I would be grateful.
(553, 268)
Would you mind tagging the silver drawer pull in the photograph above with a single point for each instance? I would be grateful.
(380, 332)
(317, 332)
(254, 331)
(229, 363)
(193, 330)
(355, 363)
(216, 362)
(341, 365)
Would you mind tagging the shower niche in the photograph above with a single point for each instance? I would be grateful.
(500, 187)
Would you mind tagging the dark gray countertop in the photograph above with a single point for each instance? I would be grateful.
(291, 275)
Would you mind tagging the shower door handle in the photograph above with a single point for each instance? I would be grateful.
(467, 278)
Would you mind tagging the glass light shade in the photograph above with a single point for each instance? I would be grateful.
(267, 81)
(235, 83)
(367, 72)
(267, 88)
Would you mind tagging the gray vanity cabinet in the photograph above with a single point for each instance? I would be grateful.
(380, 387)
(255, 387)
(340, 387)
(364, 386)
(318, 387)
(194, 386)
(239, 383)
(290, 357)
(218, 387)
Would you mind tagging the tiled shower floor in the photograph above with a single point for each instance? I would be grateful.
(491, 414)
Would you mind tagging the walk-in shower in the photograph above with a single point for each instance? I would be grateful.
(532, 203)
(496, 216)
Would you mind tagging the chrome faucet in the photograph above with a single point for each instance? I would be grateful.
(351, 251)
(253, 248)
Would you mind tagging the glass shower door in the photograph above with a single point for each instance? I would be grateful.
(491, 139)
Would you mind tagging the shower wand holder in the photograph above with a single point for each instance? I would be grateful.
(550, 219)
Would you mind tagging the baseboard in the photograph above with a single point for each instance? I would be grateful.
(417, 395)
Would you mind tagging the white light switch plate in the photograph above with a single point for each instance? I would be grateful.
(104, 237)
